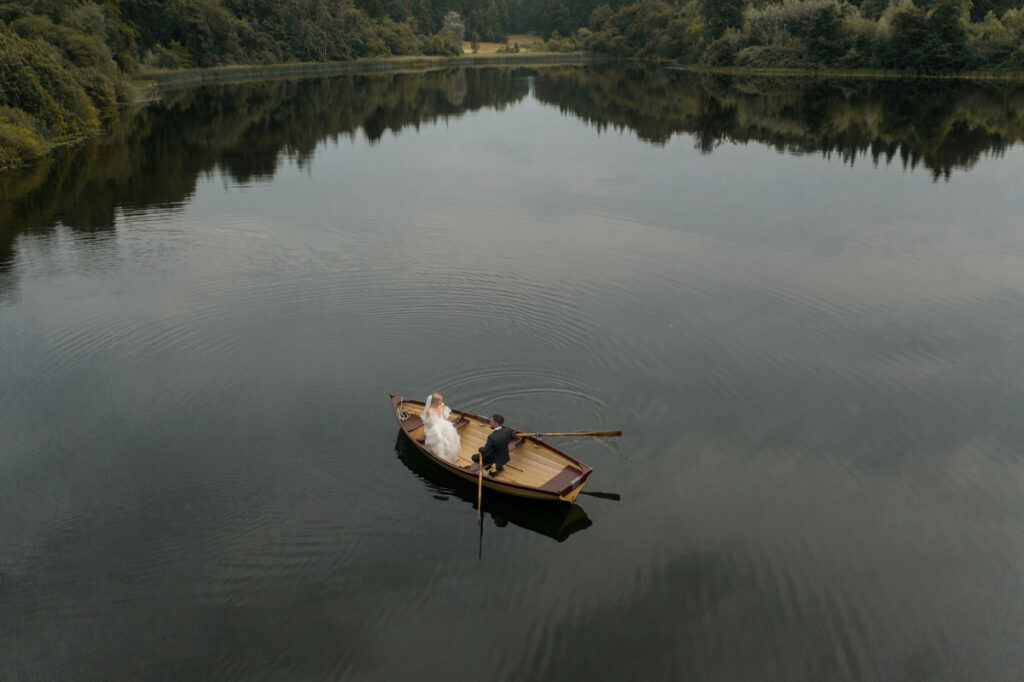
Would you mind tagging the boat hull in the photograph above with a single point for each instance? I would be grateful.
(553, 520)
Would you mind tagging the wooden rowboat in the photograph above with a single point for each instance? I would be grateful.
(536, 469)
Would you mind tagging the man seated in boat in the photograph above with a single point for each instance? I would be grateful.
(495, 450)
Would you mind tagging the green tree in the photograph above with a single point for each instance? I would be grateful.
(932, 41)
(948, 39)
(908, 46)
(720, 15)
(454, 25)
(824, 40)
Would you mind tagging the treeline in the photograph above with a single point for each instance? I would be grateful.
(922, 36)
(65, 64)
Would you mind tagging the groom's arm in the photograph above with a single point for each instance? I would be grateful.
(488, 447)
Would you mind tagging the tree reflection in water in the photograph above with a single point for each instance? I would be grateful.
(941, 125)
(155, 153)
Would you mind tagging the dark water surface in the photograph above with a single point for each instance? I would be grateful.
(803, 302)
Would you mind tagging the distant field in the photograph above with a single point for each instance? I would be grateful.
(526, 43)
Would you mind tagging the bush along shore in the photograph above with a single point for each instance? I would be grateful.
(66, 67)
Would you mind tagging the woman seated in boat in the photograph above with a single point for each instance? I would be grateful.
(441, 438)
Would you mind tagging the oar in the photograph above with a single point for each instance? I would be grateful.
(480, 494)
(599, 434)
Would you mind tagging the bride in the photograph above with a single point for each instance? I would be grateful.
(441, 438)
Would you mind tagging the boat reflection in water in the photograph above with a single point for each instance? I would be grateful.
(556, 521)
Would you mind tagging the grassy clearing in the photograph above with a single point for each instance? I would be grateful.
(527, 43)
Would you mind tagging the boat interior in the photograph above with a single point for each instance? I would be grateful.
(530, 464)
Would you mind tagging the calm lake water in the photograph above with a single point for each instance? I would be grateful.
(802, 302)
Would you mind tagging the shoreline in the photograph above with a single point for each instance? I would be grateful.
(150, 83)
(866, 74)
(239, 73)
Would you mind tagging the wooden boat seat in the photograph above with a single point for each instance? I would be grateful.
(563, 482)
(412, 423)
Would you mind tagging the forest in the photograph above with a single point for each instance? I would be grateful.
(66, 65)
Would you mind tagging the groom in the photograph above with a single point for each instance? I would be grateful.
(495, 450)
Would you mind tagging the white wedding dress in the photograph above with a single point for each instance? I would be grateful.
(440, 435)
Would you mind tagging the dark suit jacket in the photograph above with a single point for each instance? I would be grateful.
(496, 448)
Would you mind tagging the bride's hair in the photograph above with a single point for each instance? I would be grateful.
(435, 398)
